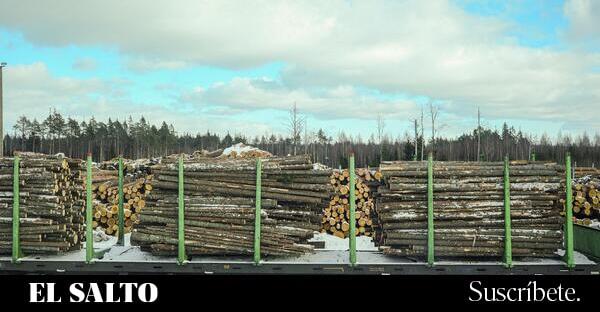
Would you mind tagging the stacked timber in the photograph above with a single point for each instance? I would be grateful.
(51, 204)
(336, 216)
(219, 206)
(106, 202)
(586, 200)
(587, 171)
(134, 168)
(468, 203)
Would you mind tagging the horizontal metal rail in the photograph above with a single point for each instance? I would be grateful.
(249, 267)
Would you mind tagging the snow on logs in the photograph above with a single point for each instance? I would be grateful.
(469, 209)
(51, 203)
(219, 206)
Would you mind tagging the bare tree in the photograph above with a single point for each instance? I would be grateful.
(416, 123)
(433, 112)
(305, 137)
(295, 125)
(380, 130)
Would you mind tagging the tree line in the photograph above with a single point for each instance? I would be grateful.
(141, 139)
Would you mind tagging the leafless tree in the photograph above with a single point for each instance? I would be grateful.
(380, 131)
(433, 112)
(295, 125)
(416, 123)
(306, 140)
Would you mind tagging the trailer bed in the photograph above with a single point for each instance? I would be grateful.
(333, 259)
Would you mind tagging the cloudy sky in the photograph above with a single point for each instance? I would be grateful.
(239, 65)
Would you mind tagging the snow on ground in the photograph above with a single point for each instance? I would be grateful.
(579, 257)
(363, 243)
(100, 236)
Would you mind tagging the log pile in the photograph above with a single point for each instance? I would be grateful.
(586, 200)
(134, 168)
(587, 171)
(51, 204)
(219, 206)
(105, 194)
(336, 216)
(469, 209)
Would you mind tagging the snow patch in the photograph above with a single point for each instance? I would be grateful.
(241, 150)
(363, 243)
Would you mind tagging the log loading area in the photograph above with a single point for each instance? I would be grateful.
(286, 215)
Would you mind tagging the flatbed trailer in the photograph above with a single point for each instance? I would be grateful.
(323, 261)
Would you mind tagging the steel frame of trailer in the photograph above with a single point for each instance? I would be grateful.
(266, 268)
(184, 266)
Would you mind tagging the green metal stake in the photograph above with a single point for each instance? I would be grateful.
(16, 241)
(257, 211)
(352, 211)
(89, 235)
(507, 222)
(181, 257)
(121, 240)
(533, 157)
(430, 232)
(569, 217)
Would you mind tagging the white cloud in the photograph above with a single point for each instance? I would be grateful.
(142, 64)
(243, 94)
(423, 48)
(584, 19)
(31, 90)
(85, 64)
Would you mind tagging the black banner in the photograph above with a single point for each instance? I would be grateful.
(243, 290)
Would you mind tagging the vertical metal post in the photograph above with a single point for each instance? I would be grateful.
(430, 231)
(121, 240)
(181, 257)
(257, 211)
(569, 217)
(533, 157)
(16, 241)
(507, 221)
(352, 199)
(89, 235)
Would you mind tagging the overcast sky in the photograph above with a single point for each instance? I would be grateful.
(238, 66)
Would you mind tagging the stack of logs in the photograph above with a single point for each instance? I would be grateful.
(586, 200)
(336, 216)
(469, 209)
(105, 194)
(51, 204)
(138, 168)
(219, 206)
(587, 171)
